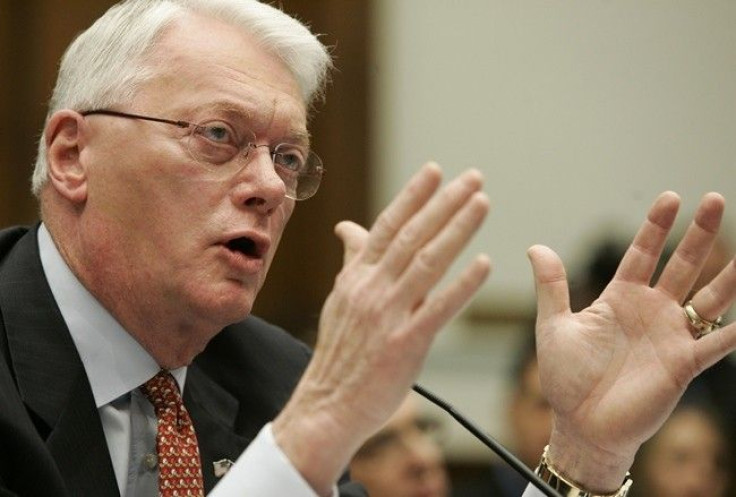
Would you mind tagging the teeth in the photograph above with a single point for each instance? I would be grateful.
(243, 245)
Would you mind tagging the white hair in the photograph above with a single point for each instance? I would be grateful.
(105, 65)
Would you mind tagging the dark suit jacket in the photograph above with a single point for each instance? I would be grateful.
(51, 438)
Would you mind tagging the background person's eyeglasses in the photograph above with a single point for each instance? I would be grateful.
(215, 143)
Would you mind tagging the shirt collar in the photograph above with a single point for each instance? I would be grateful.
(114, 361)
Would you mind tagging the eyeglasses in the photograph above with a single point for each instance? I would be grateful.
(215, 143)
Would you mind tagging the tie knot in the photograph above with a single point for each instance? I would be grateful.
(162, 390)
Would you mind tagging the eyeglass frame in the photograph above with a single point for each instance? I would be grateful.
(245, 147)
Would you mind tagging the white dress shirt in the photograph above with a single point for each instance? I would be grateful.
(116, 364)
(532, 491)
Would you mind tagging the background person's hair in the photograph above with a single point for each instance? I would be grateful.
(106, 63)
(688, 406)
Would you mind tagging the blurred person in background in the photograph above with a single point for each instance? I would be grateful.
(404, 458)
(688, 457)
(530, 415)
(529, 418)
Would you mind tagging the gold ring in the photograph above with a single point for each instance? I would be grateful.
(702, 326)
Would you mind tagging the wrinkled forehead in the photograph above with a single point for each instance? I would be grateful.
(198, 56)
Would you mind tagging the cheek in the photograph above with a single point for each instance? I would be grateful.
(142, 174)
(169, 222)
(287, 209)
(280, 220)
(159, 213)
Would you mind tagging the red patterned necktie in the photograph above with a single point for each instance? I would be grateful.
(180, 469)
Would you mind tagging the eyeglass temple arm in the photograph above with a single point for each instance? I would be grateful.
(107, 112)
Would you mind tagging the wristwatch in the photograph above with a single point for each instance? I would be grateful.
(568, 489)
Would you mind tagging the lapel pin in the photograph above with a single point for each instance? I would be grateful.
(221, 467)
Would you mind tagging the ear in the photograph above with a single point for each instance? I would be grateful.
(64, 144)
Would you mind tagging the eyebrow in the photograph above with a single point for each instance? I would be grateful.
(240, 114)
(298, 138)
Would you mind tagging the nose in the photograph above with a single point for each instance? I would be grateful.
(259, 186)
(422, 453)
(425, 467)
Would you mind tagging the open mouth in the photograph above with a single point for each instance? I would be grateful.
(245, 246)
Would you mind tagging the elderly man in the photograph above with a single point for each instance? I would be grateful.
(174, 150)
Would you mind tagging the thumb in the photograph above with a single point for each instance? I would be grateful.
(353, 237)
(550, 280)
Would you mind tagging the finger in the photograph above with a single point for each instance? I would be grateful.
(432, 261)
(713, 347)
(686, 263)
(439, 308)
(715, 298)
(550, 281)
(432, 219)
(711, 301)
(640, 260)
(353, 237)
(412, 197)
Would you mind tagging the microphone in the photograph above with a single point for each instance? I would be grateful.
(489, 442)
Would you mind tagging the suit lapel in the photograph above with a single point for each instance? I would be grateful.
(50, 376)
(78, 444)
(213, 411)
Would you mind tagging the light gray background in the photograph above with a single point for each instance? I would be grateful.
(578, 112)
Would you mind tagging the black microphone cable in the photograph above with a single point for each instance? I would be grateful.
(489, 442)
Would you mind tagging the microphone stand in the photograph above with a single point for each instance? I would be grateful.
(489, 442)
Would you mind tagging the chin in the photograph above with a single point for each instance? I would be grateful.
(223, 307)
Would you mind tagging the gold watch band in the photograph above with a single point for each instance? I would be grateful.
(568, 489)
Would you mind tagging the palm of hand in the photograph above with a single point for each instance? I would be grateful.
(632, 332)
(379, 321)
(614, 371)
